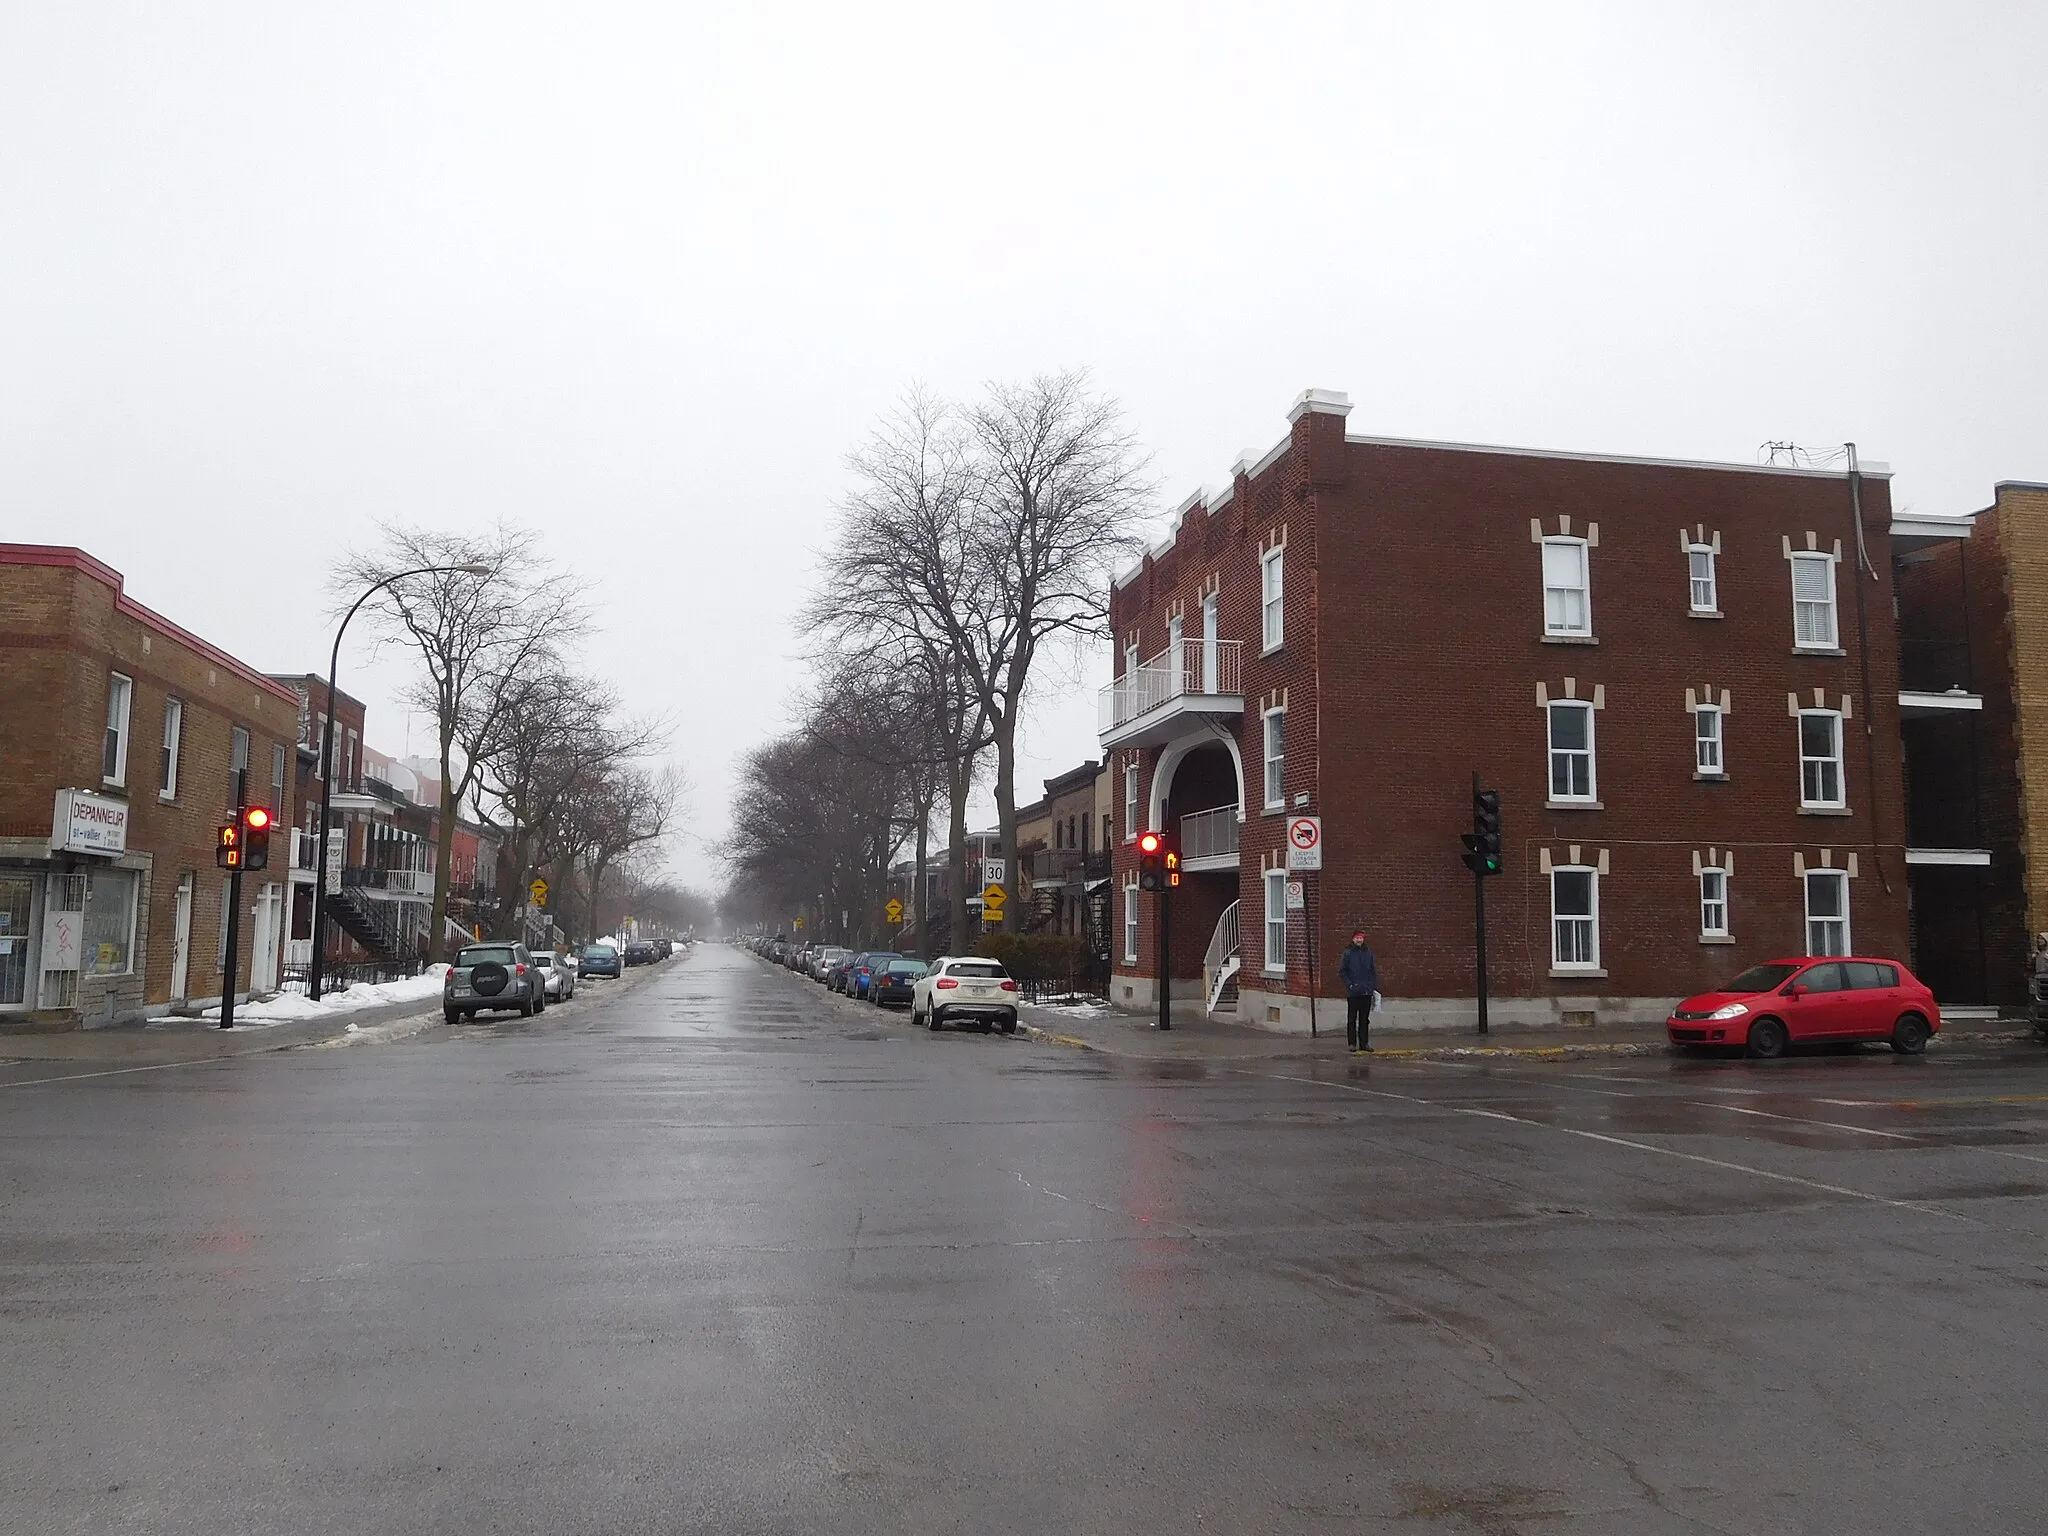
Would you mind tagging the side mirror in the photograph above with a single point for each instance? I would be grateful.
(1795, 992)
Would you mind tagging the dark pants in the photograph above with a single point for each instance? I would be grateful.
(1357, 1018)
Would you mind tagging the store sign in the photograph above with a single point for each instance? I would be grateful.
(87, 823)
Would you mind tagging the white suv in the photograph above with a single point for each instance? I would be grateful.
(964, 988)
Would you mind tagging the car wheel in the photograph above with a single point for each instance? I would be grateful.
(1010, 1025)
(1909, 1035)
(526, 1007)
(937, 1021)
(452, 1015)
(1767, 1039)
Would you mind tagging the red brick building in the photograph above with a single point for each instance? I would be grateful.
(133, 728)
(1683, 679)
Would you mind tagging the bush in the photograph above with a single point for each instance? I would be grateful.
(1037, 957)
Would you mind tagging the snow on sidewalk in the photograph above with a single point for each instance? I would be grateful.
(289, 1006)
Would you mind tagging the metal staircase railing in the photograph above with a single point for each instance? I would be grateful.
(1220, 965)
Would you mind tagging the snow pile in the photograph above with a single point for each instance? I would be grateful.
(287, 1006)
(1075, 1006)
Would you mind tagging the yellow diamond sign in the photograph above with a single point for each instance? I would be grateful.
(894, 910)
(539, 892)
(994, 896)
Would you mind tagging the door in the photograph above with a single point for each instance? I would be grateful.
(1176, 656)
(1874, 994)
(1209, 643)
(181, 939)
(263, 945)
(1827, 1007)
(17, 899)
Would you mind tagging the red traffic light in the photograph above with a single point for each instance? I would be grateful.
(1148, 842)
(257, 818)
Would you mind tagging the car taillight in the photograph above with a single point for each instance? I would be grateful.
(945, 982)
(518, 970)
(1009, 986)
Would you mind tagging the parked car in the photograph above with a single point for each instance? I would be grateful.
(490, 978)
(640, 952)
(558, 975)
(861, 975)
(839, 974)
(599, 960)
(823, 959)
(965, 988)
(664, 948)
(1782, 1003)
(894, 983)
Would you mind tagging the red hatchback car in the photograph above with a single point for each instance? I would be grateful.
(1790, 1002)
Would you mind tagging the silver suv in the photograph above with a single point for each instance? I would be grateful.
(493, 976)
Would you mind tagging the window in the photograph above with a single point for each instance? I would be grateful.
(1272, 592)
(1571, 751)
(1820, 759)
(348, 765)
(114, 747)
(1276, 759)
(174, 735)
(1713, 903)
(1131, 662)
(319, 768)
(1130, 925)
(1706, 730)
(1276, 922)
(1827, 912)
(1574, 918)
(1567, 606)
(107, 937)
(1174, 635)
(1130, 802)
(277, 783)
(238, 760)
(1813, 601)
(1699, 560)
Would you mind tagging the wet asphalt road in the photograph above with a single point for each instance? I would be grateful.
(723, 1254)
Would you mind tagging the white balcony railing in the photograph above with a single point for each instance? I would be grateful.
(305, 849)
(1196, 668)
(1209, 834)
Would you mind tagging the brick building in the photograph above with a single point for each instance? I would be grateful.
(131, 727)
(1973, 624)
(1683, 678)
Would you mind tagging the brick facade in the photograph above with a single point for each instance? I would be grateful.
(1415, 653)
(66, 627)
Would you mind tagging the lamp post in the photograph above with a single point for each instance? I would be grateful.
(316, 972)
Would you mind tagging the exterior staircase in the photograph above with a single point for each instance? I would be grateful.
(361, 921)
(1221, 965)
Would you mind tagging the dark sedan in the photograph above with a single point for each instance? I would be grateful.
(598, 960)
(891, 984)
(862, 974)
(640, 952)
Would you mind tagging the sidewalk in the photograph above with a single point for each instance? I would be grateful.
(1134, 1035)
(171, 1041)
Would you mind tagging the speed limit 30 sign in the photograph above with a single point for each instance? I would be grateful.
(1305, 842)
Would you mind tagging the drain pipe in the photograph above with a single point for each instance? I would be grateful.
(1863, 565)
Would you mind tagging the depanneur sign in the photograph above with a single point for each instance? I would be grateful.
(88, 823)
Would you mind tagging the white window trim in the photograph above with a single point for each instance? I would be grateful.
(1584, 589)
(1841, 800)
(174, 746)
(1841, 877)
(1273, 599)
(1274, 882)
(1575, 967)
(1592, 794)
(1834, 640)
(1713, 579)
(125, 693)
(1725, 930)
(1719, 769)
(280, 778)
(1130, 802)
(1130, 925)
(1267, 760)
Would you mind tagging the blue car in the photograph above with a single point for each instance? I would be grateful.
(599, 960)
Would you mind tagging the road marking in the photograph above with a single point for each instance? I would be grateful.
(1623, 1141)
(160, 1066)
(1833, 1125)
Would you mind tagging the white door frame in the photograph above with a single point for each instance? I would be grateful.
(181, 939)
(263, 946)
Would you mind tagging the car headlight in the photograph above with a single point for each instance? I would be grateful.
(1729, 1011)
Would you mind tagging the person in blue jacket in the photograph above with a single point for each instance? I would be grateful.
(1360, 973)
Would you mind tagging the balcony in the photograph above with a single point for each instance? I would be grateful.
(1162, 698)
(1208, 839)
(391, 884)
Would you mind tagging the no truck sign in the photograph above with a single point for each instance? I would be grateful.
(1305, 842)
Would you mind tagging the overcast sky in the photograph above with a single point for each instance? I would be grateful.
(639, 276)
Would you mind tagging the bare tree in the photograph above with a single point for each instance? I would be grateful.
(626, 812)
(478, 637)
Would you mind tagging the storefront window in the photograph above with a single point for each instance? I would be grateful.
(108, 947)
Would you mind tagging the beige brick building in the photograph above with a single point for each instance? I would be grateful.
(120, 734)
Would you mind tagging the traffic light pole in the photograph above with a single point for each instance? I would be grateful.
(231, 955)
(1479, 919)
(1165, 961)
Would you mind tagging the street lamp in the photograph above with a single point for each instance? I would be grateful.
(314, 974)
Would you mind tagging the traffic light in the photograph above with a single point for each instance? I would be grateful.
(1172, 865)
(1151, 861)
(255, 837)
(227, 851)
(1482, 843)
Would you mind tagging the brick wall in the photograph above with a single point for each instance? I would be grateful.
(2019, 527)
